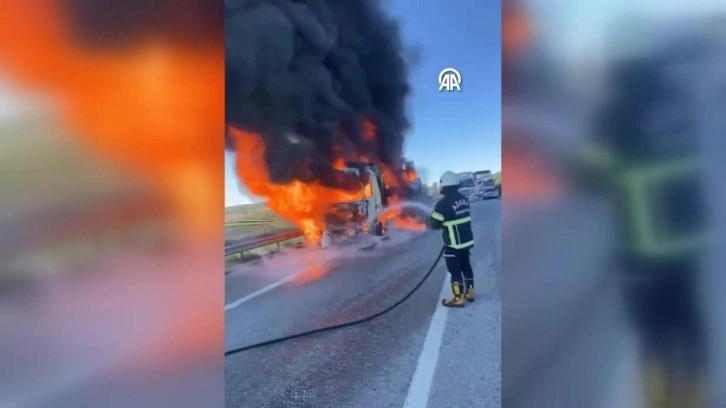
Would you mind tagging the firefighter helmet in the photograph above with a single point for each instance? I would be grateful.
(449, 178)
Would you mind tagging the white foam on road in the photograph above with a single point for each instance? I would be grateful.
(423, 377)
(285, 268)
(291, 264)
(262, 291)
(287, 257)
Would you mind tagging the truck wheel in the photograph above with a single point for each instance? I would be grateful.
(325, 240)
(380, 229)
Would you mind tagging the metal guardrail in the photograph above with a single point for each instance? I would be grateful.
(246, 223)
(265, 240)
(260, 242)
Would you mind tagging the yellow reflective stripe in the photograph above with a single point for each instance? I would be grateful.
(462, 246)
(450, 226)
(598, 155)
(437, 216)
(457, 222)
(673, 247)
(636, 182)
(452, 235)
(658, 172)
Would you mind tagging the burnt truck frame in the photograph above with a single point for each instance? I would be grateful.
(348, 222)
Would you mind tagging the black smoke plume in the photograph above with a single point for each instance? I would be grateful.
(306, 74)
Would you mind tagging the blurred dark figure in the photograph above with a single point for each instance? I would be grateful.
(645, 151)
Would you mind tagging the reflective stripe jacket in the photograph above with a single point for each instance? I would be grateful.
(646, 152)
(659, 204)
(453, 217)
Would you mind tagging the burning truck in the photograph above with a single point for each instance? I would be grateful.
(351, 222)
(355, 221)
(315, 101)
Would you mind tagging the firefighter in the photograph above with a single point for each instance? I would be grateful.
(453, 217)
(645, 153)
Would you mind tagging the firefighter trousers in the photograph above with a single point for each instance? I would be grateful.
(662, 301)
(459, 266)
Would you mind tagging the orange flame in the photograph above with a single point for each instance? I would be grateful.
(369, 131)
(306, 204)
(409, 223)
(303, 204)
(154, 107)
(411, 174)
(368, 189)
(311, 274)
(530, 179)
(339, 164)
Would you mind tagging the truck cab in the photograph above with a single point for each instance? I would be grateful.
(467, 186)
(350, 222)
(487, 186)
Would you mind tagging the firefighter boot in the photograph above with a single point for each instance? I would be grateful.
(458, 299)
(656, 386)
(469, 293)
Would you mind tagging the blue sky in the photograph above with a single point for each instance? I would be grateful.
(457, 131)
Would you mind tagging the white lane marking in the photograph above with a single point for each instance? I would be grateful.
(423, 377)
(258, 293)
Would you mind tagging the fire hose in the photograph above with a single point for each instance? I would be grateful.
(342, 325)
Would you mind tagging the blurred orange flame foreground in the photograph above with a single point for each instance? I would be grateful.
(154, 107)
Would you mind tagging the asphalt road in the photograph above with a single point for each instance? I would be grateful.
(562, 326)
(418, 355)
